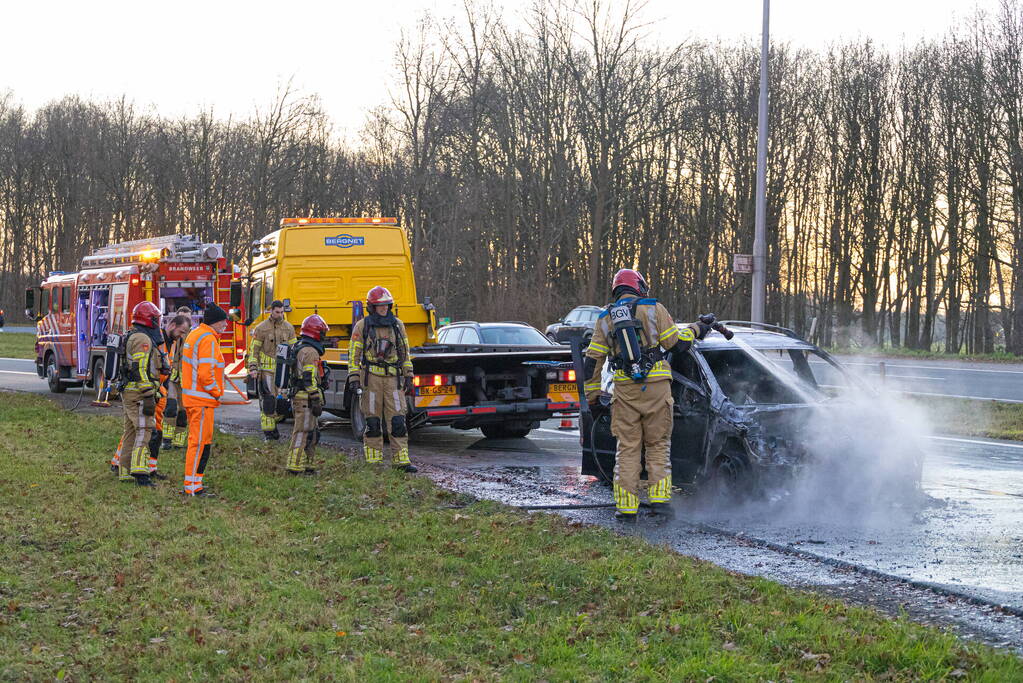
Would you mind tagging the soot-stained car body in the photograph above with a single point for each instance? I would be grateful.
(753, 411)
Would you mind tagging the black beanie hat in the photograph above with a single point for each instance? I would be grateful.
(213, 314)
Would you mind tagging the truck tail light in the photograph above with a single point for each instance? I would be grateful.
(430, 380)
(567, 375)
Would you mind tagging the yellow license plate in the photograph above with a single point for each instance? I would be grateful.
(438, 391)
(562, 388)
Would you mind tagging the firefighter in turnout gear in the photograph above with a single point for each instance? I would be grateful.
(140, 392)
(633, 333)
(175, 431)
(157, 440)
(202, 385)
(380, 367)
(306, 394)
(262, 353)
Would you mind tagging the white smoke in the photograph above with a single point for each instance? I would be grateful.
(854, 453)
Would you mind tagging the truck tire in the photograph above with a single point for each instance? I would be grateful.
(96, 379)
(357, 419)
(505, 431)
(53, 375)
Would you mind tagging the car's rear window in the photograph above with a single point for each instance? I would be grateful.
(514, 334)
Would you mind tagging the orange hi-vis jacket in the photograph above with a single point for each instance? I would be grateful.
(202, 368)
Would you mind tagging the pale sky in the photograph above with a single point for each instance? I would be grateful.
(178, 57)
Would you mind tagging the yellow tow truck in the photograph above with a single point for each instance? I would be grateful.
(327, 265)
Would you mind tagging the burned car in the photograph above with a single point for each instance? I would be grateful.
(762, 410)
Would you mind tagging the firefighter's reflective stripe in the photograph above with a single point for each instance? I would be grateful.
(599, 347)
(626, 501)
(660, 370)
(660, 491)
(356, 356)
(373, 455)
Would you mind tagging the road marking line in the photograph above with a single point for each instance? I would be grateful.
(983, 443)
(19, 372)
(975, 398)
(20, 360)
(932, 379)
(574, 432)
(922, 367)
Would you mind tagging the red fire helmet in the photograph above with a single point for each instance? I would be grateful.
(379, 295)
(627, 277)
(146, 314)
(314, 327)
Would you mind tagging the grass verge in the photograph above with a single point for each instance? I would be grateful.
(363, 574)
(17, 345)
(973, 417)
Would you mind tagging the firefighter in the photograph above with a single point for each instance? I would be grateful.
(306, 394)
(262, 353)
(202, 385)
(174, 432)
(139, 373)
(632, 331)
(380, 367)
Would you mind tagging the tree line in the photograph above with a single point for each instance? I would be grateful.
(530, 164)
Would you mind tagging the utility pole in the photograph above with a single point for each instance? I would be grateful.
(760, 234)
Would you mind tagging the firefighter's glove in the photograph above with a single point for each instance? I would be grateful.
(355, 384)
(702, 328)
(149, 405)
(316, 404)
(253, 379)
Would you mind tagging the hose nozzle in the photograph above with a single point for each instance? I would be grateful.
(711, 321)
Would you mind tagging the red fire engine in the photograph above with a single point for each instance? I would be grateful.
(79, 314)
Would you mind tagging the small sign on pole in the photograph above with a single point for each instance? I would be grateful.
(742, 263)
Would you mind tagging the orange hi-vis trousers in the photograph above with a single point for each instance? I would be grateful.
(200, 440)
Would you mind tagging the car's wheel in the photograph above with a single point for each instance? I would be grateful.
(357, 419)
(505, 431)
(730, 476)
(53, 375)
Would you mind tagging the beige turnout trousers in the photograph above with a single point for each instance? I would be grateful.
(383, 403)
(641, 417)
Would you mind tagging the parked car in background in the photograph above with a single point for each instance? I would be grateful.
(492, 334)
(578, 323)
(515, 378)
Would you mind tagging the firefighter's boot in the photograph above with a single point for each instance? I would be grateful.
(409, 468)
(626, 517)
(662, 512)
(143, 480)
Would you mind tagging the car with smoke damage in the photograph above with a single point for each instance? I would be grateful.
(768, 410)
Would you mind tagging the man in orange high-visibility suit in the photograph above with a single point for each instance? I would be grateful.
(202, 385)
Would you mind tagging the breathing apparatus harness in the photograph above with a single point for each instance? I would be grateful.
(288, 371)
(376, 349)
(127, 369)
(632, 359)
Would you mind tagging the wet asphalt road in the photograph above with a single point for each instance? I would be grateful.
(1003, 381)
(970, 544)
